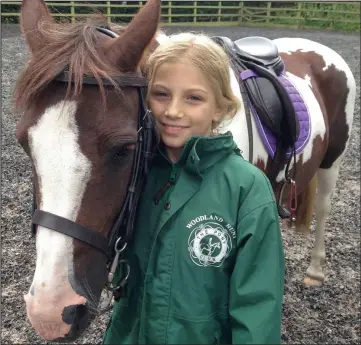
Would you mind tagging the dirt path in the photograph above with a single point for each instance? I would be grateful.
(330, 314)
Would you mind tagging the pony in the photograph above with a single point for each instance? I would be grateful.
(89, 137)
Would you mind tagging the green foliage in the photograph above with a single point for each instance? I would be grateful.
(332, 15)
(287, 13)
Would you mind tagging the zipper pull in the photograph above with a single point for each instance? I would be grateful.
(171, 181)
(161, 192)
(173, 175)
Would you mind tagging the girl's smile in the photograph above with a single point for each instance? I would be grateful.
(172, 129)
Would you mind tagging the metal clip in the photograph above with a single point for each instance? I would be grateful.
(293, 200)
(114, 265)
(147, 113)
(125, 279)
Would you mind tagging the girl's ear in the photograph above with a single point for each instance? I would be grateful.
(218, 115)
(216, 120)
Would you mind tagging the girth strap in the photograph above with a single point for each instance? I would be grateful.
(69, 228)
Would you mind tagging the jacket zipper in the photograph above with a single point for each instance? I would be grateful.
(170, 183)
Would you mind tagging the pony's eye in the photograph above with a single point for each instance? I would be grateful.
(122, 151)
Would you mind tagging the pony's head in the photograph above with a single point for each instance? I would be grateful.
(82, 103)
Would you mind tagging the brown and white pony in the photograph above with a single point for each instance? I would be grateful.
(73, 137)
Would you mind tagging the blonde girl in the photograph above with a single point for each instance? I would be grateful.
(207, 259)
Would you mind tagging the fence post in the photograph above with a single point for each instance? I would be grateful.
(72, 12)
(269, 5)
(194, 11)
(299, 15)
(109, 9)
(219, 11)
(332, 22)
(240, 13)
(169, 12)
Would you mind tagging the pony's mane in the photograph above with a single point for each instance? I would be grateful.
(71, 46)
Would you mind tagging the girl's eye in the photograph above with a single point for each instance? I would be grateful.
(160, 94)
(195, 98)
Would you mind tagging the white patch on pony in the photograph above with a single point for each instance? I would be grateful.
(162, 38)
(238, 127)
(308, 80)
(63, 173)
(351, 97)
(350, 101)
(318, 127)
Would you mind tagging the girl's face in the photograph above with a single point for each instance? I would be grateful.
(183, 104)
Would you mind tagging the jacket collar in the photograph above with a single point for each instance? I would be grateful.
(200, 153)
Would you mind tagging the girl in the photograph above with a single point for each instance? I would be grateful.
(207, 259)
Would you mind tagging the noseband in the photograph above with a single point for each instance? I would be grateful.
(121, 233)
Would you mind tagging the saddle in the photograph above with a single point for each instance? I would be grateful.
(259, 64)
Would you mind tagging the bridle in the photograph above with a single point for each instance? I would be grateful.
(122, 230)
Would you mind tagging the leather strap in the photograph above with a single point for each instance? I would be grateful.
(67, 227)
(130, 80)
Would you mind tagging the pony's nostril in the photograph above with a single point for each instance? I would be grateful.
(73, 314)
(78, 317)
(32, 290)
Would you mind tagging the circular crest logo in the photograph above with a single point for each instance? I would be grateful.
(209, 244)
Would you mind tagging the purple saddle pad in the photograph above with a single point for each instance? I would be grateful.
(268, 138)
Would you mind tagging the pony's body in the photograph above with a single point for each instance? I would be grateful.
(316, 71)
(82, 157)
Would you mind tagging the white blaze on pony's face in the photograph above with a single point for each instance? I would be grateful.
(63, 172)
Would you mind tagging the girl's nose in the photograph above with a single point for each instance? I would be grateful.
(174, 110)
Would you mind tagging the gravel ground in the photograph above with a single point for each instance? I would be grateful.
(328, 314)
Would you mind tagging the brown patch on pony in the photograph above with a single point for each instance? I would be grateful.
(77, 47)
(260, 164)
(66, 45)
(335, 97)
(306, 202)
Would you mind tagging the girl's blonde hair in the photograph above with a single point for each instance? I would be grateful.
(209, 57)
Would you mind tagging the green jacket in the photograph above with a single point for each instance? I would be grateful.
(207, 264)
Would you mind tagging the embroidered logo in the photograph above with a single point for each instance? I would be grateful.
(210, 242)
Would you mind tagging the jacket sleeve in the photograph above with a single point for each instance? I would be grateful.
(257, 281)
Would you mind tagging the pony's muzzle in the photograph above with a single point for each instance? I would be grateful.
(54, 320)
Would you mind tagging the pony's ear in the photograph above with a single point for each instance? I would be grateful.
(127, 50)
(33, 12)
